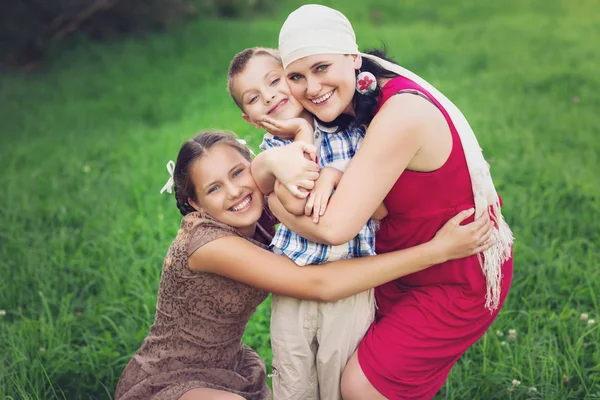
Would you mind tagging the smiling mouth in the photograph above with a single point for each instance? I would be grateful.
(323, 99)
(278, 106)
(242, 205)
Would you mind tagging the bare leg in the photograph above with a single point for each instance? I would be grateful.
(209, 394)
(355, 385)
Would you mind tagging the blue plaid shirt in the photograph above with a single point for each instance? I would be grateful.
(334, 149)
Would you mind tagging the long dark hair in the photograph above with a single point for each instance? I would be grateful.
(365, 104)
(192, 150)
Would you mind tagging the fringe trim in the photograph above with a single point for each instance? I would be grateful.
(493, 258)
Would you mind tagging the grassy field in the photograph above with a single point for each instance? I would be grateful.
(84, 143)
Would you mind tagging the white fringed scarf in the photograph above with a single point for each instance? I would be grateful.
(316, 29)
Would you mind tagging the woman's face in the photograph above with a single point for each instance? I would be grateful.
(324, 83)
(226, 190)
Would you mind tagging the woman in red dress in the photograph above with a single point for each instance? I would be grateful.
(421, 158)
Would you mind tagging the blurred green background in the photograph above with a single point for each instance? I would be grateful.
(95, 101)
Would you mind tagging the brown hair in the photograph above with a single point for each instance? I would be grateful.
(239, 62)
(192, 150)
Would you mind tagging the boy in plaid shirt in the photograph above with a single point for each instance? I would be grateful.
(311, 341)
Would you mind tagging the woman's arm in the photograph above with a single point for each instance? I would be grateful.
(393, 138)
(329, 282)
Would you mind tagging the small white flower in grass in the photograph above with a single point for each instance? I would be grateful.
(516, 382)
(583, 317)
(503, 343)
(512, 334)
(533, 389)
(2, 313)
(86, 169)
(499, 333)
(591, 322)
(42, 349)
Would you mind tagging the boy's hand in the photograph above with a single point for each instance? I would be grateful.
(293, 128)
(319, 196)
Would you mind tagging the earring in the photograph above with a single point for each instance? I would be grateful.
(366, 83)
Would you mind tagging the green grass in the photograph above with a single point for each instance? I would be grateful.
(84, 144)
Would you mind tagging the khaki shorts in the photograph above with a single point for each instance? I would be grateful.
(312, 341)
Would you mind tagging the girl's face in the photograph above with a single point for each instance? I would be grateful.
(324, 83)
(226, 190)
(263, 91)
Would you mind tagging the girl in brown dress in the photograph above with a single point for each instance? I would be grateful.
(217, 271)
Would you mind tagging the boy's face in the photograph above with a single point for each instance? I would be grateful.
(262, 90)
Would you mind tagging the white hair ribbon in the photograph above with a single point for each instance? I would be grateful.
(170, 183)
(243, 142)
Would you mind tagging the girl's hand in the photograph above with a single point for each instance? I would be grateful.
(288, 128)
(294, 167)
(319, 196)
(459, 241)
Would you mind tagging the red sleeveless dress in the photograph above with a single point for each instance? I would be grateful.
(427, 320)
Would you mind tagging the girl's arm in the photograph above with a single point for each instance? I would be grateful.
(393, 138)
(260, 268)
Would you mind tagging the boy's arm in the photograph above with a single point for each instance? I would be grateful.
(273, 164)
(261, 166)
(291, 203)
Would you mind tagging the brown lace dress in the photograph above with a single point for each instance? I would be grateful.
(196, 338)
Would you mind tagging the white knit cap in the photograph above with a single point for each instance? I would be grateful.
(315, 29)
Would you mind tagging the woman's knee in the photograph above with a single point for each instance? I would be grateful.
(209, 394)
(355, 385)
